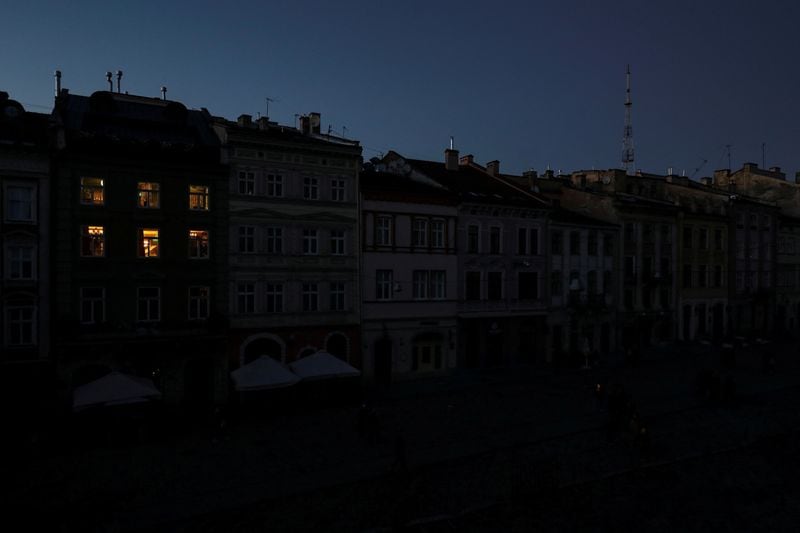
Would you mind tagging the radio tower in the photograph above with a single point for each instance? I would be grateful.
(627, 139)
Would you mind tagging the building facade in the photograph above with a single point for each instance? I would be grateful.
(25, 366)
(140, 264)
(502, 298)
(409, 277)
(294, 240)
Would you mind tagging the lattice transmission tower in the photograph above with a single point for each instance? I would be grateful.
(627, 138)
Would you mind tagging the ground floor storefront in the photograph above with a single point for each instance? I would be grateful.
(401, 349)
(290, 344)
(503, 341)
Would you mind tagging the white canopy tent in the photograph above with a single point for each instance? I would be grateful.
(322, 365)
(115, 388)
(263, 374)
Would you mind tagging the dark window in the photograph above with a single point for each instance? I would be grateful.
(528, 285)
(522, 241)
(494, 240)
(556, 243)
(495, 286)
(687, 237)
(687, 276)
(592, 245)
(473, 237)
(473, 286)
(574, 243)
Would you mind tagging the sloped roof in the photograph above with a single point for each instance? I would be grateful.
(473, 185)
(568, 216)
(377, 182)
(21, 127)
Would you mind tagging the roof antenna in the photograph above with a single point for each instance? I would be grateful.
(119, 81)
(451, 142)
(763, 155)
(110, 83)
(268, 99)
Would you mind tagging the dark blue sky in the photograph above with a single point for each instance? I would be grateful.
(529, 83)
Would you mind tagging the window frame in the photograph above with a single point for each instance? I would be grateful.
(145, 244)
(92, 239)
(196, 242)
(148, 305)
(199, 198)
(93, 302)
(144, 189)
(310, 188)
(196, 302)
(89, 199)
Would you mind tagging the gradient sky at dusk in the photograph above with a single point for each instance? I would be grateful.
(529, 83)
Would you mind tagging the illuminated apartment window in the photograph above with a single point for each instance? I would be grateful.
(92, 191)
(148, 195)
(198, 244)
(93, 241)
(147, 243)
(198, 198)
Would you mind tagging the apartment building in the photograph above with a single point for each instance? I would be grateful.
(139, 256)
(293, 240)
(409, 277)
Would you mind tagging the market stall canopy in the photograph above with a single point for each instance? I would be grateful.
(115, 388)
(322, 365)
(262, 374)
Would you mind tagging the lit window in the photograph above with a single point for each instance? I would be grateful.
(337, 296)
(198, 197)
(19, 204)
(198, 244)
(20, 325)
(275, 185)
(274, 297)
(148, 243)
(247, 183)
(92, 191)
(93, 241)
(148, 195)
(310, 188)
(93, 309)
(337, 190)
(337, 242)
(148, 304)
(310, 242)
(198, 303)
(310, 297)
(20, 262)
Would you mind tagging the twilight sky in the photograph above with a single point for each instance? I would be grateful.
(529, 83)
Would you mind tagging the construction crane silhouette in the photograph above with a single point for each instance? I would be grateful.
(699, 168)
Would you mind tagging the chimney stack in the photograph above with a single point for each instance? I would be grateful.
(466, 160)
(315, 120)
(119, 81)
(244, 121)
(163, 92)
(58, 83)
(493, 167)
(110, 82)
(451, 159)
(305, 125)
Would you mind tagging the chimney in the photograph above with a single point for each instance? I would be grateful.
(548, 174)
(530, 176)
(163, 92)
(750, 167)
(119, 81)
(315, 122)
(707, 181)
(493, 167)
(305, 124)
(451, 159)
(263, 123)
(245, 121)
(58, 83)
(465, 159)
(774, 169)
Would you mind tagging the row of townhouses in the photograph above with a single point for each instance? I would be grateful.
(142, 236)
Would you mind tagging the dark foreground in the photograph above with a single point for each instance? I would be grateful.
(485, 451)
